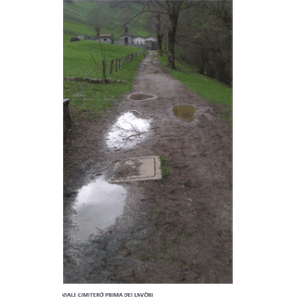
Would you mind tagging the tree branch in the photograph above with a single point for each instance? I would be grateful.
(177, 10)
(159, 3)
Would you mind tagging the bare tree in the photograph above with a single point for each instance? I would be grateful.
(98, 18)
(172, 9)
(205, 38)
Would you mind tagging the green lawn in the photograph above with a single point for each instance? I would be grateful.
(78, 62)
(207, 88)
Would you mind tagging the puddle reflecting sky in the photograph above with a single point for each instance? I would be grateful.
(97, 205)
(128, 130)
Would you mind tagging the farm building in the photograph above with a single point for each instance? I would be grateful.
(138, 40)
(151, 42)
(105, 38)
(150, 38)
(126, 39)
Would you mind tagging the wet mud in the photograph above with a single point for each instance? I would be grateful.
(178, 230)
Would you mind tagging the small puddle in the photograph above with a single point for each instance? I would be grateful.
(129, 129)
(140, 97)
(97, 206)
(185, 112)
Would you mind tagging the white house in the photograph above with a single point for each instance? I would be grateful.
(138, 40)
(151, 38)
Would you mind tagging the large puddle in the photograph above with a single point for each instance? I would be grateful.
(184, 112)
(129, 129)
(97, 206)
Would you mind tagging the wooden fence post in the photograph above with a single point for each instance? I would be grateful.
(104, 68)
(111, 66)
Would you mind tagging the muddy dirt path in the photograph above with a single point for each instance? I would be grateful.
(174, 231)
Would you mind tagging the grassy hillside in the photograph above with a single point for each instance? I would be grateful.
(75, 19)
(78, 61)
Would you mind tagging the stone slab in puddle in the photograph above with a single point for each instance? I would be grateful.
(137, 169)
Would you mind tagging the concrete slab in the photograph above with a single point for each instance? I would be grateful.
(137, 169)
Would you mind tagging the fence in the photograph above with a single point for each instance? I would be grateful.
(67, 117)
(118, 63)
(115, 65)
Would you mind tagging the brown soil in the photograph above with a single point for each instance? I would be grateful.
(174, 231)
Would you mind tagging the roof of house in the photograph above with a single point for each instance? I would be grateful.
(105, 35)
(127, 34)
(139, 36)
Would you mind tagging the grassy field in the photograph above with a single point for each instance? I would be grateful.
(78, 62)
(75, 19)
(209, 89)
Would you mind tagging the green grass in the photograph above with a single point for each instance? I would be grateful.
(78, 62)
(207, 88)
(165, 170)
(78, 59)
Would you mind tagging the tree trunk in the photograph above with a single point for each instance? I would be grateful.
(159, 36)
(202, 63)
(223, 74)
(171, 41)
(97, 30)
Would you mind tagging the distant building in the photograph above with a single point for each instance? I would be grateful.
(105, 38)
(138, 40)
(126, 39)
(151, 43)
(150, 38)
